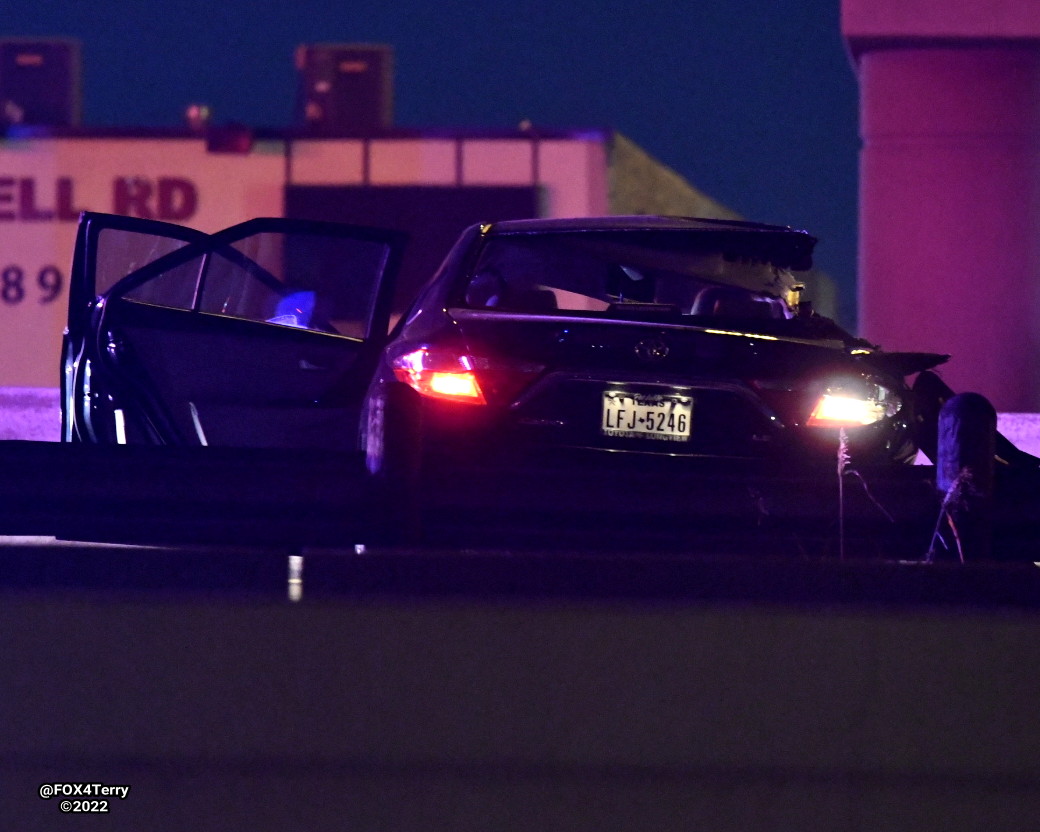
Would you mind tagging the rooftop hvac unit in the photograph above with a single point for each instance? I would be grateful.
(40, 82)
(344, 88)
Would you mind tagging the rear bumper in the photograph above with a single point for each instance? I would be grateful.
(454, 434)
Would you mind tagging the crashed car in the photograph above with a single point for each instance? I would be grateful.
(642, 336)
(634, 348)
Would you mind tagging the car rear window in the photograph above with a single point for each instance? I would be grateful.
(608, 272)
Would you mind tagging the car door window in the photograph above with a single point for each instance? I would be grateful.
(323, 277)
(309, 281)
(176, 287)
(121, 252)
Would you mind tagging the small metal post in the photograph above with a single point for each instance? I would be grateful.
(295, 577)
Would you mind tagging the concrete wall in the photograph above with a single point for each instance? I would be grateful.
(462, 713)
(950, 186)
(30, 413)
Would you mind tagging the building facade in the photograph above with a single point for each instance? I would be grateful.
(431, 184)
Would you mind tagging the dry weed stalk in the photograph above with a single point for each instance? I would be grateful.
(956, 498)
(844, 467)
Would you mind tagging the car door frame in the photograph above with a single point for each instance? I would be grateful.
(87, 307)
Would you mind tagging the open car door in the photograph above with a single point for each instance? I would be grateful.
(264, 334)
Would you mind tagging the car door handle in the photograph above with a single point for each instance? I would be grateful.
(307, 365)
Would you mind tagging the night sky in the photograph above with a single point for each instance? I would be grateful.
(755, 103)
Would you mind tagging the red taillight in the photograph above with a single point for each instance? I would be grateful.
(440, 375)
(455, 386)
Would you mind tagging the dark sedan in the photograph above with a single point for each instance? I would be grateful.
(617, 346)
(641, 336)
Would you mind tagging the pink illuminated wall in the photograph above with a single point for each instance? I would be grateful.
(950, 186)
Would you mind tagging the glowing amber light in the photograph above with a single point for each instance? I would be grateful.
(833, 411)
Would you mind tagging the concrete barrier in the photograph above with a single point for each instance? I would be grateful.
(399, 708)
(30, 413)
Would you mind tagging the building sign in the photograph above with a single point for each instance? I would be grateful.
(46, 183)
(18, 200)
(167, 198)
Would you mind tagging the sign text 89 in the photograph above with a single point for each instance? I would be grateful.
(46, 285)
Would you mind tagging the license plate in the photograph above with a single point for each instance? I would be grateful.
(665, 416)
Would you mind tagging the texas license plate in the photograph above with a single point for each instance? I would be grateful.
(661, 416)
